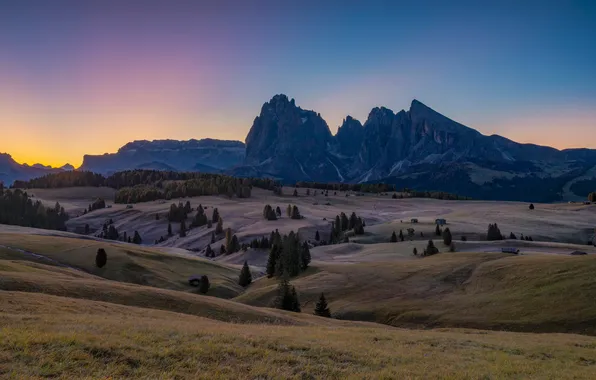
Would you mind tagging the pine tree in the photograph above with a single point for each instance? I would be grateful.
(393, 238)
(204, 284)
(182, 232)
(284, 299)
(234, 245)
(401, 235)
(295, 302)
(512, 236)
(222, 250)
(295, 213)
(592, 197)
(289, 211)
(415, 251)
(494, 233)
(86, 229)
(272, 260)
(101, 258)
(394, 196)
(137, 238)
(209, 252)
(212, 237)
(245, 276)
(531, 206)
(169, 229)
(278, 211)
(219, 227)
(447, 238)
(156, 216)
(295, 192)
(438, 230)
(215, 218)
(430, 249)
(321, 308)
(305, 256)
(345, 223)
(317, 236)
(352, 221)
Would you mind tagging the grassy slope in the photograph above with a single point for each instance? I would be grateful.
(46, 336)
(547, 293)
(127, 262)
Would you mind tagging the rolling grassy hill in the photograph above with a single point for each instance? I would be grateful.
(47, 336)
(126, 262)
(538, 293)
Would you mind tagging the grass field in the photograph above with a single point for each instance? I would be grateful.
(45, 336)
(547, 293)
(127, 262)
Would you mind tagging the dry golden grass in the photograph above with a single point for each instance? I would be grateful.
(46, 336)
(126, 262)
(545, 293)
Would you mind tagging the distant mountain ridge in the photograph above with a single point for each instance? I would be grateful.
(418, 148)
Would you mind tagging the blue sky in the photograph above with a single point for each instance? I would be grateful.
(103, 73)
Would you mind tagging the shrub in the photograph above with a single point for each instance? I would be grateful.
(447, 238)
(431, 249)
(531, 206)
(204, 285)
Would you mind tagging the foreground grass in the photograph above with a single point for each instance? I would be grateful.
(126, 262)
(540, 293)
(45, 336)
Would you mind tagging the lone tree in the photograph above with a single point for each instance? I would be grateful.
(317, 236)
(182, 232)
(215, 216)
(245, 276)
(295, 192)
(212, 237)
(531, 206)
(137, 238)
(278, 211)
(219, 227)
(401, 235)
(321, 308)
(295, 213)
(415, 251)
(431, 249)
(393, 238)
(438, 230)
(204, 285)
(170, 229)
(289, 211)
(101, 258)
(447, 238)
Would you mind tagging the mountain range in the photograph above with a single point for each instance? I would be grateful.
(418, 148)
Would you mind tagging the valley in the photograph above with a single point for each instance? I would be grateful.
(469, 309)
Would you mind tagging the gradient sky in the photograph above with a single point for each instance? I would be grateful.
(88, 76)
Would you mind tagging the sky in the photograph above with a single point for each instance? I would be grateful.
(86, 77)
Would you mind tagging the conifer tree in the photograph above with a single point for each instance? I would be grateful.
(215, 218)
(415, 251)
(278, 211)
(209, 252)
(204, 284)
(289, 211)
(169, 229)
(438, 230)
(321, 308)
(401, 235)
(512, 236)
(447, 238)
(245, 276)
(101, 258)
(317, 236)
(272, 260)
(295, 301)
(137, 238)
(212, 237)
(219, 227)
(182, 232)
(430, 249)
(531, 206)
(295, 212)
(295, 192)
(393, 238)
(305, 256)
(284, 299)
(86, 229)
(345, 223)
(222, 250)
(156, 216)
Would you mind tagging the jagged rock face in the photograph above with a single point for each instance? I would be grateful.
(349, 137)
(288, 141)
(203, 155)
(10, 170)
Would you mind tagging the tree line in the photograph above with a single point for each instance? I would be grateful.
(357, 187)
(17, 208)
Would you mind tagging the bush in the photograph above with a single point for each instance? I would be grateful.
(101, 258)
(531, 206)
(447, 238)
(431, 249)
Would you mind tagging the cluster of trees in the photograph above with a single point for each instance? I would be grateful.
(293, 212)
(201, 218)
(394, 238)
(97, 204)
(110, 232)
(287, 256)
(287, 297)
(179, 212)
(522, 237)
(592, 197)
(62, 179)
(262, 243)
(356, 187)
(232, 243)
(431, 194)
(343, 224)
(270, 214)
(17, 208)
(494, 233)
(131, 178)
